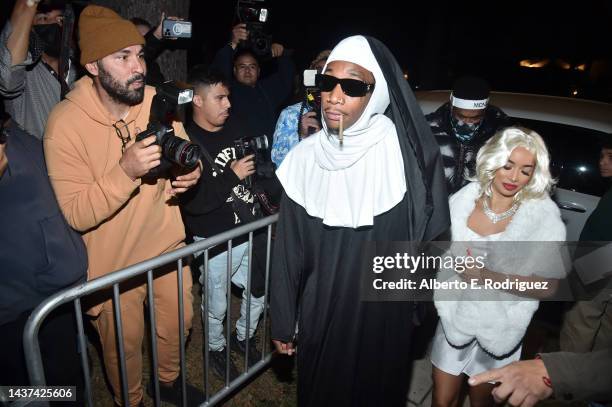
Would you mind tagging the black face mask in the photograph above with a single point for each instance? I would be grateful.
(49, 37)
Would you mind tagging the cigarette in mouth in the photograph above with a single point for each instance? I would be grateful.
(340, 131)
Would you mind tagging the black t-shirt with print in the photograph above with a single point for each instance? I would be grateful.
(207, 208)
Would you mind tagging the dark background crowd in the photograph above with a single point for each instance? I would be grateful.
(438, 41)
(525, 46)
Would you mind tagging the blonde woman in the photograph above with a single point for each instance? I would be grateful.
(508, 201)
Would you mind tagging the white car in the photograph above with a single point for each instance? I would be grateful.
(573, 130)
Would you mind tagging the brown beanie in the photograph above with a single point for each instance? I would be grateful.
(102, 32)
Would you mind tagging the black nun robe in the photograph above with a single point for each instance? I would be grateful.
(351, 352)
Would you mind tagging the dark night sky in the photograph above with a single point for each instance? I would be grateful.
(435, 40)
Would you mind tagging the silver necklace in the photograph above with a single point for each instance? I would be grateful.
(496, 217)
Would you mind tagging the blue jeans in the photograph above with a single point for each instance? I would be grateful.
(217, 294)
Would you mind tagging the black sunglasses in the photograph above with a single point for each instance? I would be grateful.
(350, 87)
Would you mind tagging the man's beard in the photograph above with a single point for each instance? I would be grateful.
(118, 92)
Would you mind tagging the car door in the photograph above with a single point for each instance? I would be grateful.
(575, 164)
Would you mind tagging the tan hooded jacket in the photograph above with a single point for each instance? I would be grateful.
(122, 221)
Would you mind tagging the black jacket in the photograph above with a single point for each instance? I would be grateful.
(580, 376)
(459, 158)
(39, 253)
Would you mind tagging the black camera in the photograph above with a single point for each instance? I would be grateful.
(164, 110)
(258, 146)
(176, 150)
(254, 14)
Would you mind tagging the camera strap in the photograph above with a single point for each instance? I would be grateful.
(206, 155)
(64, 60)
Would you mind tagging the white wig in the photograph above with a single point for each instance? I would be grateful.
(496, 152)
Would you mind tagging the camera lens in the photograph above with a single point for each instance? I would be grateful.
(189, 155)
(261, 44)
(181, 152)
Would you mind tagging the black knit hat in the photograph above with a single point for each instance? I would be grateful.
(471, 88)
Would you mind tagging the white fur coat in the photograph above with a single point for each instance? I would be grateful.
(498, 319)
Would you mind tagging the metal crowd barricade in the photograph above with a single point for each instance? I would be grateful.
(74, 294)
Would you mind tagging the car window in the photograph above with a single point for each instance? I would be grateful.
(574, 155)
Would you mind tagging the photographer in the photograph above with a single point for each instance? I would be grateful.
(30, 45)
(99, 174)
(299, 120)
(220, 202)
(255, 100)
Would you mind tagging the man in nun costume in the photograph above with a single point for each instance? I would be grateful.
(373, 173)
